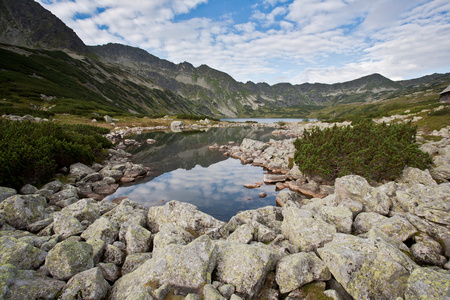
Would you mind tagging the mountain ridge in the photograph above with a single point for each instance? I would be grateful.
(136, 81)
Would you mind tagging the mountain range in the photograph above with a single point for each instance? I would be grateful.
(45, 63)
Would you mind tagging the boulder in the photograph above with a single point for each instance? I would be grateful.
(188, 267)
(134, 170)
(367, 268)
(273, 178)
(80, 170)
(426, 283)
(98, 248)
(171, 234)
(16, 284)
(304, 231)
(243, 234)
(211, 293)
(68, 192)
(357, 188)
(21, 254)
(28, 189)
(110, 271)
(113, 255)
(414, 176)
(138, 239)
(184, 215)
(88, 284)
(253, 145)
(107, 172)
(134, 261)
(83, 210)
(284, 196)
(244, 266)
(66, 225)
(365, 221)
(6, 192)
(397, 227)
(128, 211)
(339, 217)
(102, 229)
(296, 270)
(53, 186)
(69, 258)
(22, 210)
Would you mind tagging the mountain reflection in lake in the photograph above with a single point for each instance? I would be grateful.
(186, 170)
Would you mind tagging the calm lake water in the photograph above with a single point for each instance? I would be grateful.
(184, 169)
(267, 120)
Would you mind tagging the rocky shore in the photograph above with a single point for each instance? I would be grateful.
(340, 240)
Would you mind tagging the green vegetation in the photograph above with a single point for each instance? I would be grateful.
(376, 152)
(33, 152)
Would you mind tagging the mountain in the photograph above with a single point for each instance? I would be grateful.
(45, 65)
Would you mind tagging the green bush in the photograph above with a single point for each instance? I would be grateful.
(376, 152)
(33, 152)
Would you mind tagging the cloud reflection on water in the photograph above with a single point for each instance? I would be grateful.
(216, 190)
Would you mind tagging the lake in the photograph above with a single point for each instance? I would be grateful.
(184, 169)
(267, 120)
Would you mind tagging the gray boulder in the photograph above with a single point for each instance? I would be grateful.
(171, 234)
(28, 189)
(243, 234)
(66, 225)
(128, 211)
(182, 214)
(113, 255)
(357, 188)
(110, 271)
(102, 229)
(89, 285)
(298, 269)
(365, 221)
(397, 227)
(415, 176)
(426, 283)
(367, 268)
(304, 231)
(69, 258)
(22, 210)
(21, 254)
(16, 284)
(6, 192)
(339, 217)
(68, 192)
(244, 266)
(80, 170)
(211, 293)
(187, 267)
(98, 248)
(83, 210)
(108, 172)
(134, 261)
(53, 186)
(134, 170)
(138, 239)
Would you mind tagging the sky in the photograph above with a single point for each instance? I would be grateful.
(275, 41)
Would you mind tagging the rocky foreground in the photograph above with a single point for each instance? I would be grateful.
(351, 241)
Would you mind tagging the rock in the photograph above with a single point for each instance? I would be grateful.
(80, 170)
(176, 124)
(66, 225)
(354, 206)
(253, 185)
(273, 178)
(357, 188)
(113, 255)
(424, 254)
(92, 177)
(397, 227)
(367, 268)
(171, 234)
(83, 210)
(110, 271)
(211, 293)
(243, 234)
(426, 283)
(69, 192)
(339, 217)
(187, 267)
(69, 258)
(128, 211)
(134, 261)
(184, 215)
(88, 284)
(18, 284)
(161, 292)
(108, 119)
(98, 248)
(304, 231)
(441, 173)
(134, 170)
(22, 210)
(227, 290)
(21, 254)
(53, 186)
(244, 266)
(414, 176)
(102, 229)
(104, 188)
(6, 192)
(107, 172)
(138, 239)
(28, 189)
(39, 225)
(298, 269)
(366, 220)
(253, 145)
(284, 196)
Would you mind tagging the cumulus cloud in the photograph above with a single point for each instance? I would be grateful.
(300, 40)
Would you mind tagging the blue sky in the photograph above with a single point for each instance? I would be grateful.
(275, 41)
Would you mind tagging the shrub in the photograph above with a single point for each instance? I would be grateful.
(33, 152)
(376, 152)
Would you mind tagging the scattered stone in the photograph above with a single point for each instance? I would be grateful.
(88, 284)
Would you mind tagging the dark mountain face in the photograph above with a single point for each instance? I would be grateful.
(26, 23)
(131, 78)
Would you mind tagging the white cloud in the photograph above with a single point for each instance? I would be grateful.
(298, 41)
